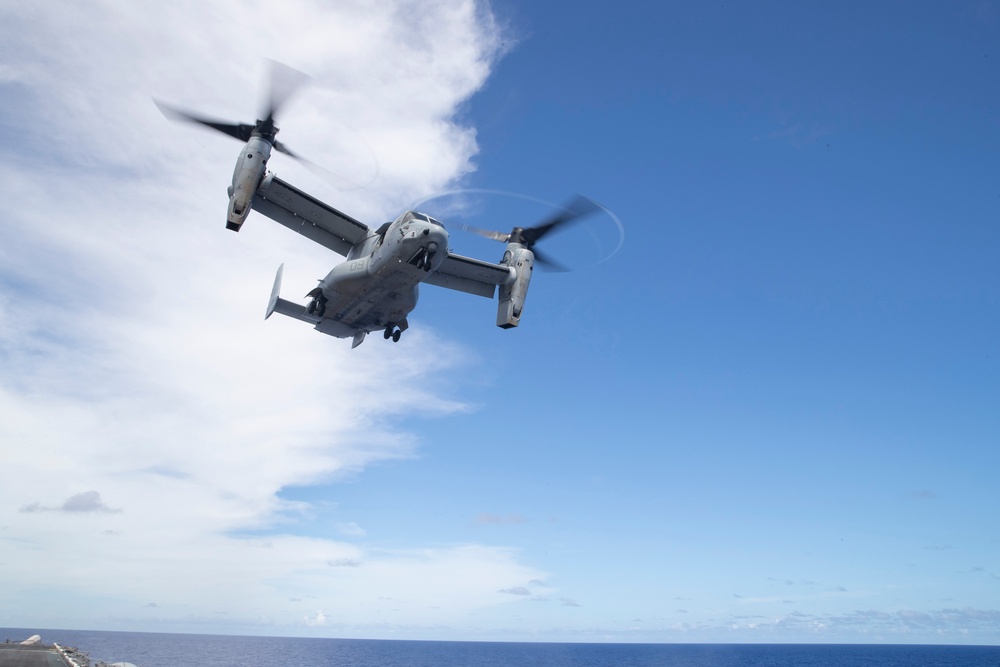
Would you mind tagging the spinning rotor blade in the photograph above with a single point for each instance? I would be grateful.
(282, 148)
(284, 81)
(281, 82)
(239, 131)
(550, 264)
(529, 236)
(575, 210)
(487, 233)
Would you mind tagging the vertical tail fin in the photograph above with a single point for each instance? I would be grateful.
(273, 302)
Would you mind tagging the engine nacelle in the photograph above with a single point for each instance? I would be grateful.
(246, 178)
(521, 262)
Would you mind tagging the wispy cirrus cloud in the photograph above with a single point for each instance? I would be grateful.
(350, 529)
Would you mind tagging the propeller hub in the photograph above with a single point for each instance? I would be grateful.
(284, 82)
(266, 128)
(517, 235)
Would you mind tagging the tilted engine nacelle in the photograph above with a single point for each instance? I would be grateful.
(246, 178)
(521, 262)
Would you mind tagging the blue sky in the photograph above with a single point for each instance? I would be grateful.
(772, 416)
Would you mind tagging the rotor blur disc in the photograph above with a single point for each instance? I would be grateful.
(580, 244)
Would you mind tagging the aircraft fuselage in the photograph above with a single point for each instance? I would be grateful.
(377, 286)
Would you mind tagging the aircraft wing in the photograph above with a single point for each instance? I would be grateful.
(465, 274)
(302, 213)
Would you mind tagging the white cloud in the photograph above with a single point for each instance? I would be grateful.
(134, 359)
(351, 529)
(88, 501)
(316, 620)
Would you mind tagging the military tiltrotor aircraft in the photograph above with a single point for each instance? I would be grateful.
(377, 286)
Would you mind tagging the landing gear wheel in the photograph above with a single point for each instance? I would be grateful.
(387, 334)
(311, 308)
(395, 335)
(321, 308)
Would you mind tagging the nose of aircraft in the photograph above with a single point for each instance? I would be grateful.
(436, 234)
(436, 243)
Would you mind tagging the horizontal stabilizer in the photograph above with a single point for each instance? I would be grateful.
(296, 310)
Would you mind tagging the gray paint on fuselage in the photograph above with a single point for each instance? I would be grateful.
(378, 285)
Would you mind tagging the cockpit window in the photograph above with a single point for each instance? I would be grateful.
(416, 215)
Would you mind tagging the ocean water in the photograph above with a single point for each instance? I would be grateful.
(174, 650)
